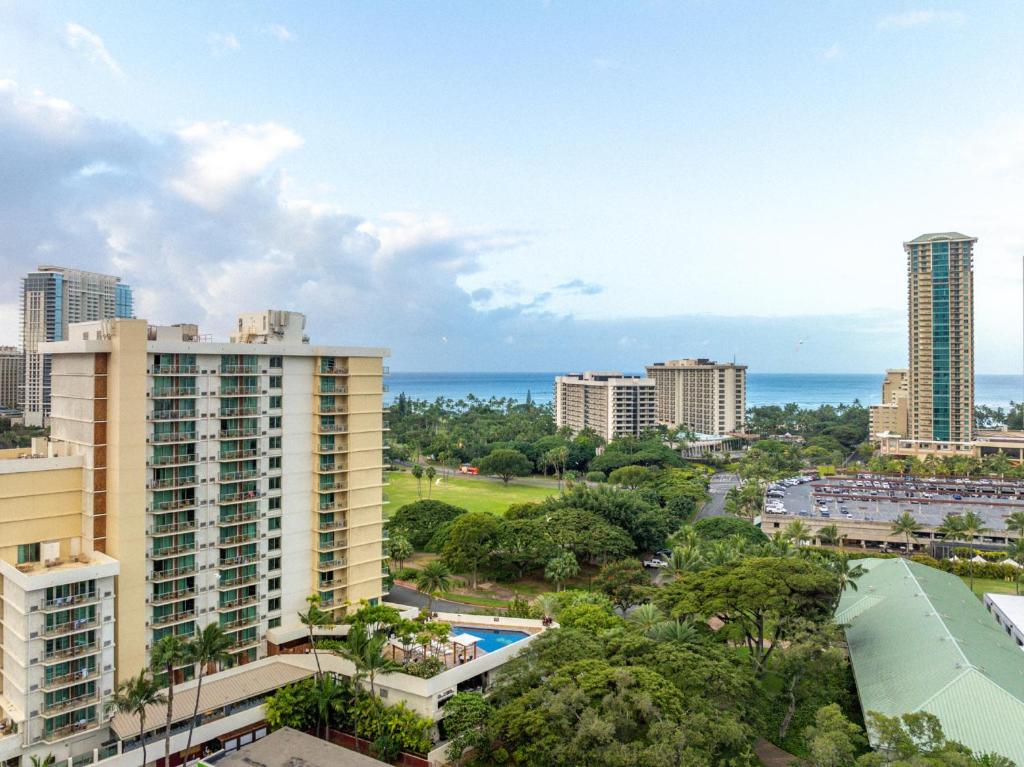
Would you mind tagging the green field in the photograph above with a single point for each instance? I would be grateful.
(984, 586)
(472, 494)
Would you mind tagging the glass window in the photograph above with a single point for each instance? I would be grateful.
(28, 552)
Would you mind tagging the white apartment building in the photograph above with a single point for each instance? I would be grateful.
(704, 396)
(608, 403)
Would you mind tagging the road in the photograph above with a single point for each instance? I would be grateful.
(403, 595)
(721, 484)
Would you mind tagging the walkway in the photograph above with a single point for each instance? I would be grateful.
(403, 595)
(773, 756)
(721, 484)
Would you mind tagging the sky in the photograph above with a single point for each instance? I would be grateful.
(523, 186)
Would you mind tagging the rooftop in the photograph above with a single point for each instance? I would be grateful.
(940, 237)
(290, 748)
(1010, 606)
(921, 641)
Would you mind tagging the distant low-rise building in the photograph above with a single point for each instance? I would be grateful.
(890, 417)
(608, 403)
(704, 396)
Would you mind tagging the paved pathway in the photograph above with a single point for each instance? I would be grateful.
(403, 595)
(773, 756)
(720, 485)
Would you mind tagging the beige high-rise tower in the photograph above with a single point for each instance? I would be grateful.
(940, 299)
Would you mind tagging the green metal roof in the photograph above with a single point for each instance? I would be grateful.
(924, 239)
(921, 641)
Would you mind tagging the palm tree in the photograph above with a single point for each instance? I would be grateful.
(168, 654)
(973, 526)
(314, 618)
(43, 761)
(208, 647)
(327, 694)
(685, 560)
(905, 525)
(646, 617)
(133, 696)
(829, 535)
(681, 632)
(547, 604)
(797, 532)
(368, 657)
(1015, 523)
(561, 568)
(685, 537)
(434, 578)
(952, 527)
(417, 471)
(430, 472)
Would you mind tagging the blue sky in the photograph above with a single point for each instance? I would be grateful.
(523, 186)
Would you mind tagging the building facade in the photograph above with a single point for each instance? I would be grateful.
(609, 403)
(52, 298)
(890, 417)
(940, 304)
(704, 396)
(12, 375)
(219, 482)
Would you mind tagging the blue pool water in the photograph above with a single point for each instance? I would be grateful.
(491, 639)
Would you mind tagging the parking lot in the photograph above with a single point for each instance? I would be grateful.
(877, 498)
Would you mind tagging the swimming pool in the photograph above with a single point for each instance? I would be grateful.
(491, 639)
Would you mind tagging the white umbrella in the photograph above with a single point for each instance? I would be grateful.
(1010, 562)
(978, 558)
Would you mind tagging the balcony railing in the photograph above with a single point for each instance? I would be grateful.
(82, 675)
(329, 409)
(60, 603)
(180, 503)
(246, 369)
(168, 460)
(240, 602)
(166, 482)
(58, 707)
(337, 524)
(332, 487)
(174, 436)
(175, 391)
(238, 476)
(333, 371)
(234, 455)
(333, 545)
(250, 431)
(245, 495)
(332, 428)
(238, 412)
(334, 506)
(326, 388)
(328, 468)
(234, 519)
(173, 551)
(239, 644)
(173, 415)
(175, 527)
(67, 731)
(240, 622)
(69, 627)
(331, 564)
(174, 572)
(233, 540)
(172, 596)
(240, 560)
(184, 615)
(241, 580)
(71, 652)
(161, 370)
(235, 391)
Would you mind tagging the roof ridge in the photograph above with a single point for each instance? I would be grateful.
(941, 618)
(946, 686)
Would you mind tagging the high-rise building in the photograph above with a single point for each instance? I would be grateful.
(53, 297)
(940, 302)
(12, 374)
(890, 417)
(706, 397)
(186, 482)
(610, 404)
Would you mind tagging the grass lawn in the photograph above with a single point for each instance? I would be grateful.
(983, 586)
(471, 494)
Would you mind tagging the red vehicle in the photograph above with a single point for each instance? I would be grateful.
(467, 469)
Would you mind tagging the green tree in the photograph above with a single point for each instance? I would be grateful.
(471, 540)
(646, 617)
(797, 532)
(745, 501)
(417, 471)
(1016, 553)
(557, 458)
(43, 761)
(1015, 523)
(624, 581)
(561, 568)
(829, 535)
(717, 528)
(952, 527)
(973, 525)
(434, 578)
(209, 647)
(907, 526)
(506, 464)
(833, 740)
(430, 472)
(134, 696)
(685, 560)
(763, 598)
(681, 632)
(466, 716)
(399, 549)
(328, 696)
(366, 652)
(630, 477)
(168, 653)
(420, 521)
(313, 619)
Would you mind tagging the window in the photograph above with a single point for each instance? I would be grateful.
(275, 443)
(275, 483)
(277, 362)
(275, 503)
(275, 402)
(275, 422)
(274, 563)
(274, 603)
(275, 462)
(274, 584)
(274, 545)
(28, 552)
(275, 381)
(274, 623)
(274, 523)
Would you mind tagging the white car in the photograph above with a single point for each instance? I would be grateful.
(655, 562)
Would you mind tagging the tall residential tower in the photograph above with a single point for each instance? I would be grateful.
(940, 301)
(52, 297)
(705, 396)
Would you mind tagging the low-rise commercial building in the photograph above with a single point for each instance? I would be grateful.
(704, 396)
(608, 403)
(1008, 611)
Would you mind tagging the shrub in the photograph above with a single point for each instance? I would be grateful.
(718, 528)
(420, 520)
(596, 476)
(406, 574)
(425, 668)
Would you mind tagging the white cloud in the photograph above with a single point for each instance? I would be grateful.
(222, 42)
(832, 52)
(91, 45)
(281, 32)
(222, 156)
(921, 18)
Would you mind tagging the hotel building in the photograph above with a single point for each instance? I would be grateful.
(890, 417)
(52, 298)
(608, 403)
(706, 397)
(186, 482)
(940, 303)
(12, 376)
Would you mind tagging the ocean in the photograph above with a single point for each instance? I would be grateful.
(805, 389)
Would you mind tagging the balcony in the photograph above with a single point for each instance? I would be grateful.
(241, 644)
(331, 428)
(333, 545)
(238, 412)
(234, 519)
(174, 527)
(236, 391)
(238, 476)
(172, 596)
(234, 540)
(332, 371)
(74, 651)
(173, 415)
(241, 580)
(174, 370)
(249, 431)
(70, 627)
(337, 524)
(330, 468)
(240, 560)
(176, 436)
(82, 675)
(74, 600)
(59, 707)
(165, 620)
(60, 733)
(331, 564)
(247, 369)
(172, 460)
(244, 495)
(233, 604)
(165, 483)
(331, 409)
(181, 503)
(333, 506)
(336, 447)
(174, 572)
(234, 455)
(175, 391)
(333, 487)
(173, 551)
(240, 622)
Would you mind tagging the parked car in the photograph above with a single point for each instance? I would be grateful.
(655, 562)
